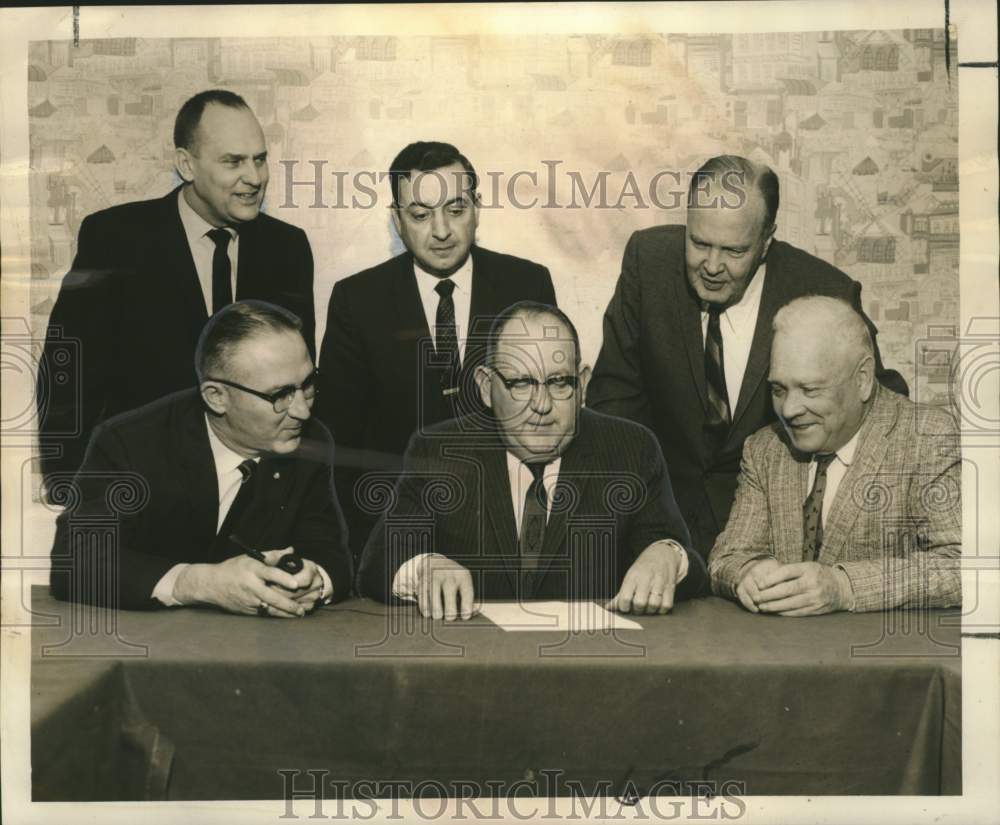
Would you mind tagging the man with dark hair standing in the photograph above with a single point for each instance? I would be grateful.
(687, 334)
(400, 348)
(148, 274)
(210, 488)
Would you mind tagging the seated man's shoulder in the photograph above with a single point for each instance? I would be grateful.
(615, 435)
(144, 428)
(770, 440)
(919, 420)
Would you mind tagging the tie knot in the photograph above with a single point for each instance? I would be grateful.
(220, 237)
(823, 461)
(445, 288)
(246, 469)
(537, 471)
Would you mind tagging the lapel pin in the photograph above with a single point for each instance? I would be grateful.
(277, 475)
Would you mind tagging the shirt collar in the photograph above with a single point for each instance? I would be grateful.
(195, 226)
(514, 465)
(226, 460)
(845, 455)
(461, 277)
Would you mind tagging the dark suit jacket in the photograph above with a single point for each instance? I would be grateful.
(134, 306)
(651, 365)
(612, 500)
(377, 380)
(149, 481)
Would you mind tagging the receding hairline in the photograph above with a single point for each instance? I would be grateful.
(527, 313)
(833, 320)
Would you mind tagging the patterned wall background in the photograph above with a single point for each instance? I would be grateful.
(861, 126)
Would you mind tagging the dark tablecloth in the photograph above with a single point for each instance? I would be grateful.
(839, 704)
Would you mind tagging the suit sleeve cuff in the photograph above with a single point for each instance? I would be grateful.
(164, 590)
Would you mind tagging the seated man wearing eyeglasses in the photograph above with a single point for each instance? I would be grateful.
(538, 499)
(200, 498)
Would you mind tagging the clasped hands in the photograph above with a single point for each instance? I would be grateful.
(805, 588)
(242, 584)
(445, 590)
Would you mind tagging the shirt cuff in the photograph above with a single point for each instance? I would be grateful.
(406, 580)
(164, 590)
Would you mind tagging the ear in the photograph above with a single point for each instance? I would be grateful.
(215, 396)
(768, 241)
(394, 210)
(182, 160)
(583, 379)
(866, 378)
(484, 381)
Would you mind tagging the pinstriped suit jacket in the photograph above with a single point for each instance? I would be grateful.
(894, 526)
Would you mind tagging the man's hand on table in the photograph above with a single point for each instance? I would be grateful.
(444, 589)
(244, 585)
(798, 589)
(648, 586)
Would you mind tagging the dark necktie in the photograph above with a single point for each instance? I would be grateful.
(812, 511)
(445, 333)
(222, 289)
(719, 415)
(533, 516)
(248, 487)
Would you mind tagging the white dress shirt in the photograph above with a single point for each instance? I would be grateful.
(737, 325)
(835, 472)
(462, 296)
(203, 248)
(230, 479)
(404, 583)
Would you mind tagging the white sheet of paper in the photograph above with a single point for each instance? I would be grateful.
(576, 617)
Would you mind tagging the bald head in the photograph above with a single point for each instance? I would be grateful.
(822, 372)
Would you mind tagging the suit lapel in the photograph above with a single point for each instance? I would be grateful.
(500, 509)
(199, 469)
(484, 301)
(786, 520)
(248, 261)
(570, 489)
(853, 492)
(172, 258)
(759, 362)
(275, 476)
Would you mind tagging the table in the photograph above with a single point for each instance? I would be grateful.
(195, 704)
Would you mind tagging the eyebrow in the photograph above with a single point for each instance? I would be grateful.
(422, 205)
(234, 156)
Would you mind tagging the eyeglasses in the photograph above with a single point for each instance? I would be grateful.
(560, 387)
(281, 399)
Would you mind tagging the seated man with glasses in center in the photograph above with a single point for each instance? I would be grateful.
(208, 491)
(537, 499)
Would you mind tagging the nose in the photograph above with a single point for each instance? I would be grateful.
(440, 227)
(252, 174)
(541, 400)
(791, 405)
(713, 265)
(301, 408)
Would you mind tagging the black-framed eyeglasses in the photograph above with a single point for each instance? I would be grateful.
(559, 387)
(283, 397)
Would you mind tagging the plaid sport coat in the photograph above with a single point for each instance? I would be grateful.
(894, 526)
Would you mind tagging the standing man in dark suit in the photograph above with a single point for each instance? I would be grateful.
(403, 338)
(537, 499)
(687, 335)
(206, 489)
(147, 275)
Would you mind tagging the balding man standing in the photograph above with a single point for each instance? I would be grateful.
(853, 500)
(687, 333)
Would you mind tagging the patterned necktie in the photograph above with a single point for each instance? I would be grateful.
(533, 516)
(222, 288)
(445, 333)
(812, 511)
(719, 417)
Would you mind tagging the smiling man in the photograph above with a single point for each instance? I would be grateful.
(687, 334)
(148, 274)
(852, 501)
(193, 485)
(538, 499)
(403, 338)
